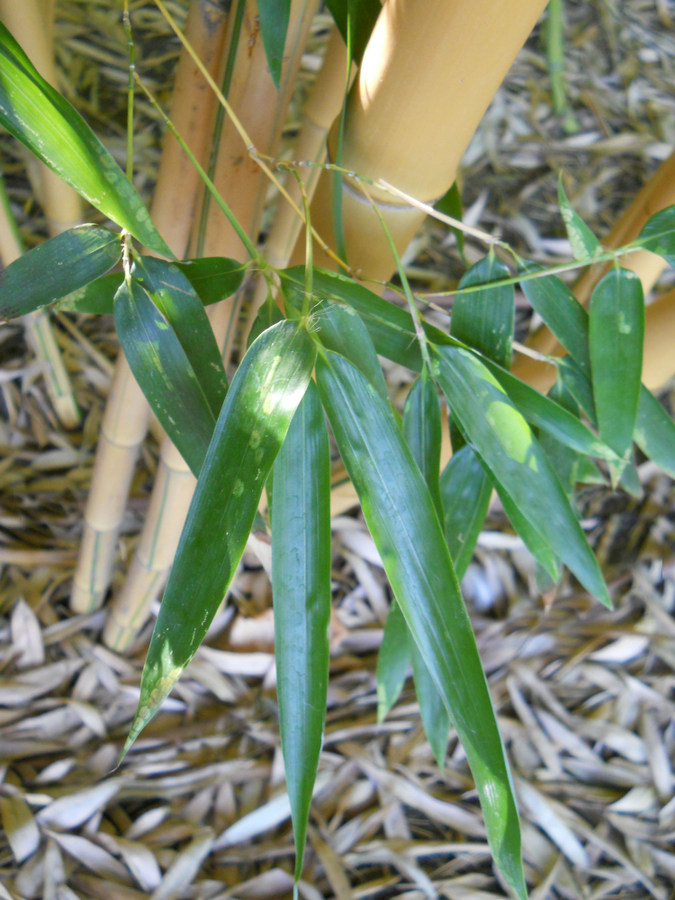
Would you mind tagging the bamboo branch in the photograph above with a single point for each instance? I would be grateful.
(126, 417)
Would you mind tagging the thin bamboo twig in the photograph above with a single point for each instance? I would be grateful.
(261, 110)
(173, 208)
(31, 24)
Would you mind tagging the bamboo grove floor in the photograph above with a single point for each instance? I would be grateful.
(586, 697)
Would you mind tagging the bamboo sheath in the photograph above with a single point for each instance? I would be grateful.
(239, 180)
(428, 74)
(31, 24)
(126, 417)
(659, 359)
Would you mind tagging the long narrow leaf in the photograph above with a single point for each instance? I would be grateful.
(465, 489)
(507, 446)
(56, 133)
(484, 319)
(393, 661)
(213, 277)
(400, 515)
(164, 373)
(616, 334)
(584, 243)
(53, 269)
(252, 425)
(658, 234)
(176, 299)
(562, 313)
(655, 432)
(273, 16)
(301, 558)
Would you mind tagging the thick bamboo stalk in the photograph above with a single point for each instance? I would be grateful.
(31, 24)
(261, 109)
(427, 76)
(126, 417)
(657, 193)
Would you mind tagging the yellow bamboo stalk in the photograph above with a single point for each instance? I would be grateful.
(126, 417)
(261, 109)
(319, 112)
(31, 24)
(657, 193)
(427, 76)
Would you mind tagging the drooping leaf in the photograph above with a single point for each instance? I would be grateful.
(484, 319)
(213, 277)
(400, 515)
(655, 432)
(301, 570)
(508, 448)
(95, 298)
(562, 313)
(578, 384)
(265, 392)
(355, 18)
(465, 489)
(176, 299)
(393, 661)
(616, 334)
(532, 537)
(658, 234)
(55, 268)
(451, 205)
(564, 460)
(584, 243)
(164, 372)
(273, 16)
(422, 433)
(54, 131)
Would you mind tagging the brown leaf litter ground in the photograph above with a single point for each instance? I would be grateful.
(585, 696)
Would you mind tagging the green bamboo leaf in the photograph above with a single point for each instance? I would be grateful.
(356, 20)
(465, 489)
(549, 416)
(422, 433)
(451, 205)
(55, 268)
(562, 313)
(164, 372)
(301, 570)
(393, 661)
(269, 314)
(213, 277)
(564, 460)
(273, 16)
(400, 515)
(508, 448)
(484, 319)
(95, 298)
(54, 131)
(578, 384)
(259, 407)
(176, 299)
(655, 432)
(616, 334)
(658, 235)
(532, 537)
(584, 243)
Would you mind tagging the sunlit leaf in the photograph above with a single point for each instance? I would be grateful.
(55, 268)
(56, 133)
(273, 16)
(301, 561)
(164, 372)
(176, 299)
(265, 392)
(616, 335)
(507, 446)
(400, 515)
(484, 318)
(584, 243)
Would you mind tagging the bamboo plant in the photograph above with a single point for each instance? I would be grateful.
(313, 356)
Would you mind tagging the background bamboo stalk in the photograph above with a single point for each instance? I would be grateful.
(262, 110)
(413, 110)
(319, 112)
(31, 24)
(656, 194)
(126, 417)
